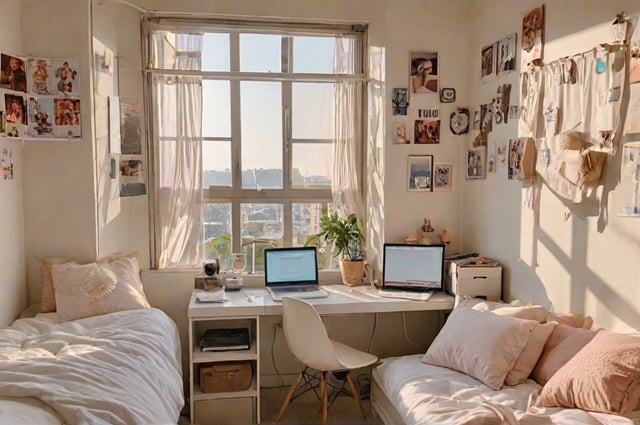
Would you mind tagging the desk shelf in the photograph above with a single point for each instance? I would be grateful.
(198, 395)
(225, 356)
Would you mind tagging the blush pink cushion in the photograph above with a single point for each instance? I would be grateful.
(48, 297)
(94, 289)
(563, 343)
(603, 377)
(530, 354)
(481, 344)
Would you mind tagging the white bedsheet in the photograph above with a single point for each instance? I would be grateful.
(424, 394)
(119, 368)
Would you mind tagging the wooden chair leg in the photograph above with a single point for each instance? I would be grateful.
(285, 404)
(355, 394)
(324, 392)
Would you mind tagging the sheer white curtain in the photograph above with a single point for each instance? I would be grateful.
(347, 158)
(178, 151)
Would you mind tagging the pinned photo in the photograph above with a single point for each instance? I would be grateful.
(66, 78)
(14, 107)
(507, 54)
(13, 75)
(487, 63)
(41, 117)
(424, 72)
(39, 73)
(400, 134)
(400, 101)
(532, 36)
(426, 131)
(6, 163)
(475, 164)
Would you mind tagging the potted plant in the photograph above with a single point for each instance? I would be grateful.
(346, 237)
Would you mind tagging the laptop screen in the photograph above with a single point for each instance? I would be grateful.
(290, 266)
(413, 267)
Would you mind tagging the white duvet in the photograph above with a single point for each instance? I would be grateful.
(119, 368)
(429, 395)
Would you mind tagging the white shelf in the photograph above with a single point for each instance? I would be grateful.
(251, 392)
(224, 356)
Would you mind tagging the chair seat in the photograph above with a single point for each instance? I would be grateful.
(350, 358)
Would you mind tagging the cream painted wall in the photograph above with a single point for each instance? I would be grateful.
(582, 264)
(12, 259)
(59, 180)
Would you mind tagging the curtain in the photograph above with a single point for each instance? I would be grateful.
(178, 151)
(347, 157)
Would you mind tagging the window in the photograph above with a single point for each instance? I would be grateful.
(268, 126)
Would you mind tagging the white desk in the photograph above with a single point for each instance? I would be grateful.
(247, 306)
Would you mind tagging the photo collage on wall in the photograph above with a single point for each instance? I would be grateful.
(39, 97)
(417, 120)
(132, 169)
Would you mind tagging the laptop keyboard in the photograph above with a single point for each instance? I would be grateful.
(308, 291)
(407, 295)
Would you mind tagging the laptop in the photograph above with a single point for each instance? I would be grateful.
(292, 272)
(412, 272)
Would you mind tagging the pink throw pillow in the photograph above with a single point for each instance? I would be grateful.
(603, 377)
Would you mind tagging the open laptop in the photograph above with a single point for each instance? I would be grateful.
(292, 272)
(412, 271)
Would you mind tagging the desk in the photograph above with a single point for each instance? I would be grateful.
(244, 308)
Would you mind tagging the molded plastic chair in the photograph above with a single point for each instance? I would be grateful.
(308, 341)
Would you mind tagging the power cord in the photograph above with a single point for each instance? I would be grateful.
(373, 331)
(406, 335)
(276, 328)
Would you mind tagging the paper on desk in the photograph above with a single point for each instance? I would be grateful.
(210, 296)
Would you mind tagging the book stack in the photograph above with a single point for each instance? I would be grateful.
(225, 339)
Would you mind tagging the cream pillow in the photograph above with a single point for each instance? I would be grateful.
(603, 377)
(48, 299)
(530, 354)
(481, 344)
(563, 343)
(94, 289)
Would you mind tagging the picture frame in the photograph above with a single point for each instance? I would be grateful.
(476, 163)
(420, 173)
(487, 61)
(506, 54)
(424, 73)
(443, 177)
(448, 95)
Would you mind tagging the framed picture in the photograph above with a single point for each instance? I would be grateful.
(506, 54)
(476, 163)
(448, 95)
(442, 177)
(488, 60)
(420, 173)
(424, 73)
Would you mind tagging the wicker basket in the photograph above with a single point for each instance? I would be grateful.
(352, 271)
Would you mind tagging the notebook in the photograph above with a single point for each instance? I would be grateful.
(292, 272)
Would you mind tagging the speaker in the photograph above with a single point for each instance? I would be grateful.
(212, 268)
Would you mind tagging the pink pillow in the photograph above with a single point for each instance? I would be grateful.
(603, 377)
(563, 343)
(530, 354)
(480, 344)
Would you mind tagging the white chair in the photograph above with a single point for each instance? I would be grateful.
(308, 341)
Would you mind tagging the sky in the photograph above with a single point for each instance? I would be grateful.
(261, 102)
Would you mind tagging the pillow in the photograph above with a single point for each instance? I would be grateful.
(481, 344)
(570, 319)
(48, 299)
(93, 289)
(563, 343)
(604, 376)
(530, 354)
(528, 312)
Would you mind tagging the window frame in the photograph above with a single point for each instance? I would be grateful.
(235, 195)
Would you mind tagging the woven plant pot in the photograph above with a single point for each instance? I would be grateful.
(352, 271)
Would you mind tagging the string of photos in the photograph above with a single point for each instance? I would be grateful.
(39, 97)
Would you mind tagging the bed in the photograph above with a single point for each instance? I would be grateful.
(117, 368)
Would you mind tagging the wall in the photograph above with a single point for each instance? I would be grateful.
(12, 260)
(59, 180)
(586, 263)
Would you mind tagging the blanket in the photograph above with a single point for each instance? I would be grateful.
(119, 368)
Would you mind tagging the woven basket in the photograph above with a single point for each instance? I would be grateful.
(352, 271)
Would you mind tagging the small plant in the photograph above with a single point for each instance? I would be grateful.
(343, 233)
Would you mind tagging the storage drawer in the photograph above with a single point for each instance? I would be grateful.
(225, 377)
(226, 411)
(484, 282)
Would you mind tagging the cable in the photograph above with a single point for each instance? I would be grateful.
(126, 3)
(276, 327)
(373, 331)
(406, 335)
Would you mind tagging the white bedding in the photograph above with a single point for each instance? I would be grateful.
(119, 368)
(423, 394)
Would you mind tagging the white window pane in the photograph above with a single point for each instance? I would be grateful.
(262, 227)
(261, 116)
(217, 233)
(215, 52)
(306, 223)
(313, 54)
(312, 164)
(313, 111)
(216, 163)
(216, 108)
(260, 53)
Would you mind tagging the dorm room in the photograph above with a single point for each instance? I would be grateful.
(266, 88)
